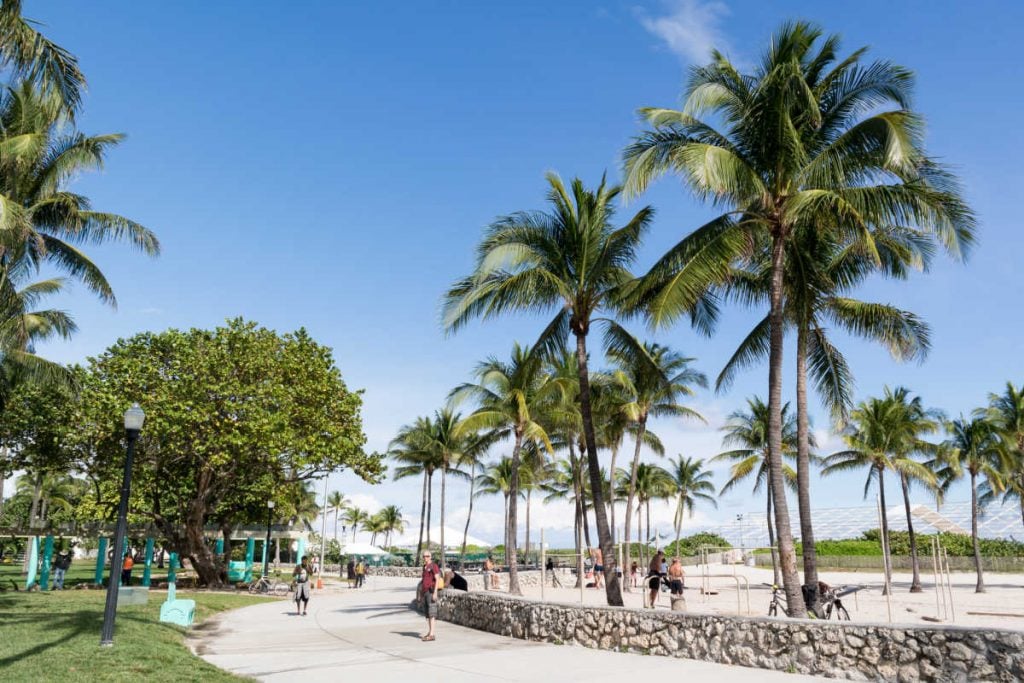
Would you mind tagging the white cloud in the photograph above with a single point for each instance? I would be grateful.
(690, 29)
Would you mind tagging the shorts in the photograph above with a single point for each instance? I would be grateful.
(677, 586)
(654, 582)
(599, 567)
(430, 604)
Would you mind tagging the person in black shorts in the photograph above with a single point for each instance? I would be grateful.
(595, 553)
(654, 577)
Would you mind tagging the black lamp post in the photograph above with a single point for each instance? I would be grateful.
(266, 553)
(133, 419)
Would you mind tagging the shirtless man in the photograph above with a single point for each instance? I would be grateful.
(598, 558)
(675, 576)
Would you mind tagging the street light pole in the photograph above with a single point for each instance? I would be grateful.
(266, 554)
(133, 419)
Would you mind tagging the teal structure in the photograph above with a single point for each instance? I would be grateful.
(44, 574)
(300, 550)
(147, 570)
(33, 562)
(266, 554)
(172, 573)
(101, 558)
(250, 551)
(173, 610)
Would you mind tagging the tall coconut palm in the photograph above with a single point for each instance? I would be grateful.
(562, 485)
(819, 272)
(1006, 412)
(355, 519)
(747, 432)
(337, 502)
(393, 520)
(570, 259)
(511, 397)
(26, 54)
(656, 379)
(652, 483)
(496, 480)
(690, 483)
(411, 448)
(806, 141)
(473, 459)
(973, 449)
(882, 436)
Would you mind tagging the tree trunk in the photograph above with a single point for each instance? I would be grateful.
(574, 465)
(771, 541)
(640, 534)
(886, 549)
(611, 493)
(512, 522)
(336, 511)
(430, 502)
(505, 520)
(787, 552)
(631, 494)
(915, 584)
(469, 515)
(647, 514)
(197, 549)
(444, 479)
(423, 520)
(803, 472)
(583, 495)
(679, 524)
(526, 542)
(980, 587)
(37, 494)
(277, 553)
(613, 590)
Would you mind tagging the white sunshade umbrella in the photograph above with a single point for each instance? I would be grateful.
(452, 539)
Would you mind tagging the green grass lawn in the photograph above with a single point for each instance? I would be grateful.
(81, 571)
(55, 636)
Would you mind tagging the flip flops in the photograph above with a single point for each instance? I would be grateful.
(427, 639)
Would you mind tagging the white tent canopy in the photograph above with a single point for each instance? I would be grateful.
(452, 538)
(362, 549)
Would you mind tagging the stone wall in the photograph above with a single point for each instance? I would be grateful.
(838, 650)
(476, 579)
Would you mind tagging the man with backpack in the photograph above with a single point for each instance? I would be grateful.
(429, 586)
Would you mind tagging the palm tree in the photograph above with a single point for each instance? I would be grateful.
(355, 518)
(412, 448)
(657, 379)
(882, 436)
(337, 502)
(652, 483)
(511, 397)
(690, 483)
(747, 432)
(43, 220)
(806, 142)
(391, 515)
(563, 485)
(473, 459)
(376, 525)
(819, 272)
(496, 480)
(973, 448)
(571, 260)
(1006, 412)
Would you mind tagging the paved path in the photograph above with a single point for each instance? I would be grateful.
(371, 635)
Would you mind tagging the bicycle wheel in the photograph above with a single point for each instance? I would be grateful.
(841, 613)
(281, 588)
(773, 609)
(254, 588)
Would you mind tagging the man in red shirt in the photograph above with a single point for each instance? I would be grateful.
(430, 573)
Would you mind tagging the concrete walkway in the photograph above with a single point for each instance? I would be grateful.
(371, 635)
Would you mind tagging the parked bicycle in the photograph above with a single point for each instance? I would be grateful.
(832, 602)
(776, 603)
(264, 586)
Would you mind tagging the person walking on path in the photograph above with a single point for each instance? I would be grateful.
(654, 576)
(429, 586)
(675, 576)
(488, 572)
(350, 571)
(360, 573)
(301, 576)
(598, 566)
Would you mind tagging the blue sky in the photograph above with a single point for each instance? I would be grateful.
(330, 165)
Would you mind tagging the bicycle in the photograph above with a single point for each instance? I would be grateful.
(833, 603)
(776, 603)
(264, 586)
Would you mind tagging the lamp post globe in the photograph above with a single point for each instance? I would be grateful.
(134, 417)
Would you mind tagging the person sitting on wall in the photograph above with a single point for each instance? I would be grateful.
(455, 580)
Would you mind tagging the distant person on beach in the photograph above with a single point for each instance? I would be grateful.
(428, 585)
(126, 570)
(595, 553)
(456, 581)
(488, 572)
(360, 573)
(633, 570)
(301, 576)
(60, 567)
(675, 576)
(350, 570)
(654, 577)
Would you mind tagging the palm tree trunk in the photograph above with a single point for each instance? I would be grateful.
(679, 524)
(578, 521)
(430, 503)
(787, 551)
(505, 519)
(444, 480)
(613, 590)
(886, 550)
(641, 428)
(980, 587)
(526, 542)
(336, 511)
(647, 514)
(469, 514)
(423, 519)
(611, 493)
(915, 584)
(512, 522)
(583, 495)
(37, 494)
(771, 541)
(803, 472)
(640, 534)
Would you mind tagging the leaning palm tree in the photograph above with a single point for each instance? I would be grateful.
(806, 141)
(973, 449)
(571, 260)
(1006, 412)
(337, 502)
(747, 433)
(690, 483)
(393, 520)
(656, 379)
(356, 519)
(652, 483)
(511, 397)
(412, 449)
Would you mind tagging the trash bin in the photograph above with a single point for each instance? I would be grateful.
(751, 561)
